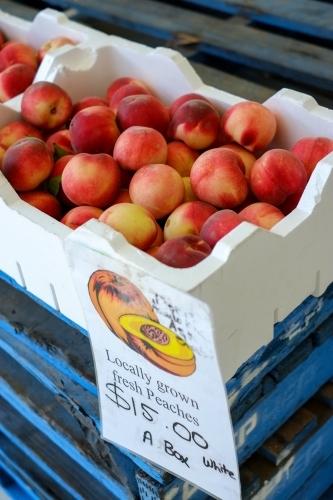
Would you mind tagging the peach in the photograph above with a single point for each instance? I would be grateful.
(184, 98)
(54, 180)
(277, 174)
(17, 52)
(217, 177)
(248, 201)
(60, 143)
(196, 123)
(183, 251)
(143, 110)
(46, 105)
(91, 179)
(79, 215)
(218, 225)
(262, 214)
(94, 130)
(2, 39)
(3, 149)
(122, 197)
(88, 101)
(250, 124)
(27, 163)
(247, 157)
(138, 146)
(134, 222)
(43, 201)
(53, 44)
(290, 203)
(152, 251)
(181, 157)
(125, 91)
(157, 243)
(158, 188)
(310, 150)
(159, 238)
(16, 130)
(120, 82)
(189, 194)
(14, 80)
(187, 218)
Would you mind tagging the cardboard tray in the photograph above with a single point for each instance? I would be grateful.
(253, 279)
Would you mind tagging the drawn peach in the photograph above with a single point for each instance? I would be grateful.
(113, 296)
(160, 345)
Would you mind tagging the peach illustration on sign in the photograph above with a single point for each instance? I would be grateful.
(129, 315)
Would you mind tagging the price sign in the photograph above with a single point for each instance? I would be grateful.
(160, 389)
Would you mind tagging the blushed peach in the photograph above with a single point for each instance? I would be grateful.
(87, 102)
(262, 214)
(219, 225)
(181, 157)
(183, 251)
(14, 52)
(144, 111)
(277, 174)
(14, 80)
(91, 179)
(46, 105)
(125, 91)
(16, 130)
(94, 130)
(120, 82)
(250, 124)
(217, 177)
(3, 149)
(122, 197)
(54, 181)
(290, 203)
(187, 218)
(247, 157)
(134, 222)
(80, 215)
(184, 98)
(310, 150)
(158, 188)
(138, 146)
(53, 44)
(189, 194)
(27, 163)
(152, 251)
(196, 123)
(60, 143)
(43, 201)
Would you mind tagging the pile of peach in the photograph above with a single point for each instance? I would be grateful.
(173, 180)
(19, 63)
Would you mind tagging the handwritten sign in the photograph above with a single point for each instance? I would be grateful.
(160, 389)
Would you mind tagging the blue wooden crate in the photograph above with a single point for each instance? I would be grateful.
(47, 382)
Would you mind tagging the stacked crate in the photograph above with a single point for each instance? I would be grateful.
(280, 396)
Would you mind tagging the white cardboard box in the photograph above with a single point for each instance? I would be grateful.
(252, 279)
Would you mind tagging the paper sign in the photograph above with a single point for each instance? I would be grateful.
(161, 394)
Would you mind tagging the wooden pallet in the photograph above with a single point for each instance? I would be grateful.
(48, 390)
(251, 49)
